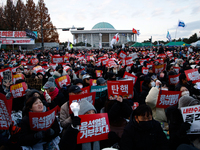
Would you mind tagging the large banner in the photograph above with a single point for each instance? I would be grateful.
(130, 76)
(42, 120)
(17, 41)
(57, 59)
(167, 98)
(101, 91)
(64, 80)
(122, 88)
(173, 79)
(191, 115)
(94, 127)
(18, 90)
(12, 33)
(5, 112)
(192, 74)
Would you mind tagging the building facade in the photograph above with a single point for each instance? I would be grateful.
(101, 35)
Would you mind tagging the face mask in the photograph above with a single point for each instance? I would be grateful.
(145, 125)
(153, 84)
(81, 86)
(185, 93)
(51, 73)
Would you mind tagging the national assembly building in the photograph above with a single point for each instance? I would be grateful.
(101, 35)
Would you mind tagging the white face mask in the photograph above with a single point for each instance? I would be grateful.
(51, 73)
(185, 93)
(153, 84)
(81, 86)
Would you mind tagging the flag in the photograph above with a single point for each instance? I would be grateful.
(123, 34)
(128, 40)
(181, 24)
(68, 47)
(134, 31)
(100, 45)
(168, 36)
(114, 40)
(74, 41)
(138, 33)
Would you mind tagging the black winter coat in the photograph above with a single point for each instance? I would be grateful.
(134, 138)
(143, 94)
(27, 138)
(58, 100)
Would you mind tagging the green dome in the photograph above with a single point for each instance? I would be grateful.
(103, 26)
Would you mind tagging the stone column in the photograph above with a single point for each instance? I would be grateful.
(82, 38)
(91, 40)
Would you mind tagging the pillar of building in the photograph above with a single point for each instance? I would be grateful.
(82, 38)
(73, 38)
(91, 40)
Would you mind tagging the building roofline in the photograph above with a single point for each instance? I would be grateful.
(100, 31)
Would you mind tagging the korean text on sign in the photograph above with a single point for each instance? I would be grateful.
(18, 90)
(191, 115)
(167, 98)
(42, 121)
(94, 127)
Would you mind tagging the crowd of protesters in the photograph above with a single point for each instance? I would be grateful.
(145, 128)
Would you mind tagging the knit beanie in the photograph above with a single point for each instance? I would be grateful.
(49, 83)
(85, 106)
(186, 100)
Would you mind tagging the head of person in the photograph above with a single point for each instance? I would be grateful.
(111, 76)
(50, 85)
(183, 78)
(34, 104)
(74, 90)
(143, 116)
(186, 100)
(86, 78)
(101, 82)
(40, 75)
(59, 69)
(18, 70)
(184, 91)
(86, 108)
(33, 93)
(79, 82)
(50, 71)
(148, 82)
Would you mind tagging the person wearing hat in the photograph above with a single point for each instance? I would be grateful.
(79, 82)
(177, 127)
(59, 72)
(86, 80)
(69, 138)
(52, 94)
(101, 82)
(65, 118)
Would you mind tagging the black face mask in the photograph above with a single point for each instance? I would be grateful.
(61, 71)
(146, 125)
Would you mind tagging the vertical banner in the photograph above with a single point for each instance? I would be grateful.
(173, 79)
(191, 115)
(168, 98)
(64, 80)
(130, 76)
(192, 74)
(94, 127)
(42, 120)
(98, 73)
(90, 97)
(18, 90)
(5, 112)
(120, 88)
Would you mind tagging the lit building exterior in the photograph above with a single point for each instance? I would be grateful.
(102, 34)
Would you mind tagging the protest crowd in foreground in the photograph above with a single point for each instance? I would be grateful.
(131, 98)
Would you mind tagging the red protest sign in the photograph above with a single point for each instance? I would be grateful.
(122, 55)
(5, 112)
(90, 97)
(104, 61)
(159, 68)
(13, 70)
(98, 73)
(89, 58)
(102, 58)
(94, 127)
(135, 105)
(130, 76)
(162, 55)
(38, 68)
(192, 74)
(111, 63)
(168, 98)
(145, 70)
(57, 59)
(93, 82)
(17, 77)
(173, 79)
(34, 61)
(85, 90)
(64, 80)
(98, 63)
(18, 90)
(128, 61)
(120, 88)
(53, 65)
(42, 120)
(170, 54)
(66, 58)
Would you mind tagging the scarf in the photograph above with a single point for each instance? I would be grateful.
(87, 146)
(53, 94)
